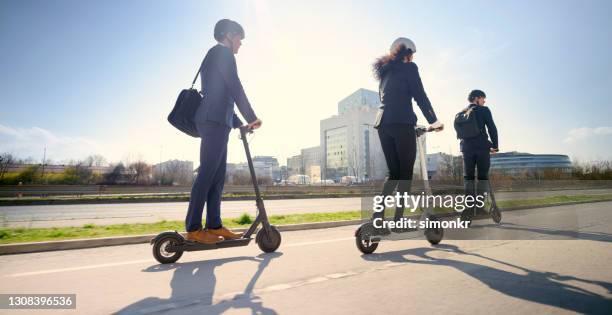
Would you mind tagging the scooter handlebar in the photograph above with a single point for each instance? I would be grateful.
(427, 129)
(246, 129)
(422, 130)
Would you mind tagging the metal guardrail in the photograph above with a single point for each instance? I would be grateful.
(440, 186)
(80, 190)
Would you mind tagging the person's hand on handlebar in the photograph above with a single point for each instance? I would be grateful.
(255, 124)
(437, 126)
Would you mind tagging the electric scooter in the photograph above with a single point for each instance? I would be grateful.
(494, 211)
(367, 236)
(169, 246)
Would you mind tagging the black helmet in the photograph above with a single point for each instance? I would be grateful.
(475, 94)
(226, 26)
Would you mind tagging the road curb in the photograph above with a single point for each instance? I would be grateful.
(33, 247)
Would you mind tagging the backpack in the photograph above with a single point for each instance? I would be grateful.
(466, 124)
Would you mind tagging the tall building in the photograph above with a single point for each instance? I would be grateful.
(435, 162)
(295, 165)
(267, 166)
(349, 143)
(359, 98)
(311, 162)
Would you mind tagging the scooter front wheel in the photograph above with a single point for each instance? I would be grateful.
(434, 235)
(160, 249)
(268, 242)
(363, 238)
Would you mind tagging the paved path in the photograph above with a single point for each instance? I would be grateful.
(550, 269)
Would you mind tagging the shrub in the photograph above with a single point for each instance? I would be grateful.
(29, 175)
(10, 179)
(245, 218)
(77, 174)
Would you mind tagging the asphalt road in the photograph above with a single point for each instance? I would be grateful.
(102, 214)
(560, 263)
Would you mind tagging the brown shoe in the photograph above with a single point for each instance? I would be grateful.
(227, 234)
(203, 237)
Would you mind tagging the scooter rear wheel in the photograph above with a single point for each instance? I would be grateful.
(268, 242)
(434, 235)
(161, 253)
(363, 238)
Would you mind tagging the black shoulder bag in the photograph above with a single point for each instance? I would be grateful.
(185, 108)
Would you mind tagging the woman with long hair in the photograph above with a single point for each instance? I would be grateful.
(399, 84)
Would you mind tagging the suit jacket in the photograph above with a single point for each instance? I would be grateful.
(404, 84)
(222, 88)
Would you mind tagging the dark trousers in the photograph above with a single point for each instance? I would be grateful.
(476, 162)
(398, 143)
(208, 185)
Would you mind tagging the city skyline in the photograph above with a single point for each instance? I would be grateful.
(96, 78)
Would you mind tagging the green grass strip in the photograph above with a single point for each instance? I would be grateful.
(18, 235)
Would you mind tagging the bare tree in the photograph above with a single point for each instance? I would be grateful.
(450, 167)
(115, 176)
(173, 172)
(352, 161)
(28, 160)
(142, 172)
(241, 177)
(6, 161)
(95, 160)
(594, 170)
(78, 173)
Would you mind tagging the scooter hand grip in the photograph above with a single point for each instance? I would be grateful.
(246, 129)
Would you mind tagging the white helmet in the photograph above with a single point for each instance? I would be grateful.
(403, 40)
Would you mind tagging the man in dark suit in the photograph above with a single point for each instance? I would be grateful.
(477, 151)
(214, 119)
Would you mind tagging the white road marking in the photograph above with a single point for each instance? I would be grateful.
(318, 242)
(42, 272)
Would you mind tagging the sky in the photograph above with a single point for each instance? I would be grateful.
(100, 77)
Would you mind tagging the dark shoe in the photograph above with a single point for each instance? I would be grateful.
(225, 233)
(203, 237)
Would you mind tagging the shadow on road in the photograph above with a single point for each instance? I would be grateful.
(556, 234)
(535, 286)
(193, 286)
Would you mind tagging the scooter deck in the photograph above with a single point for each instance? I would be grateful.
(189, 246)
